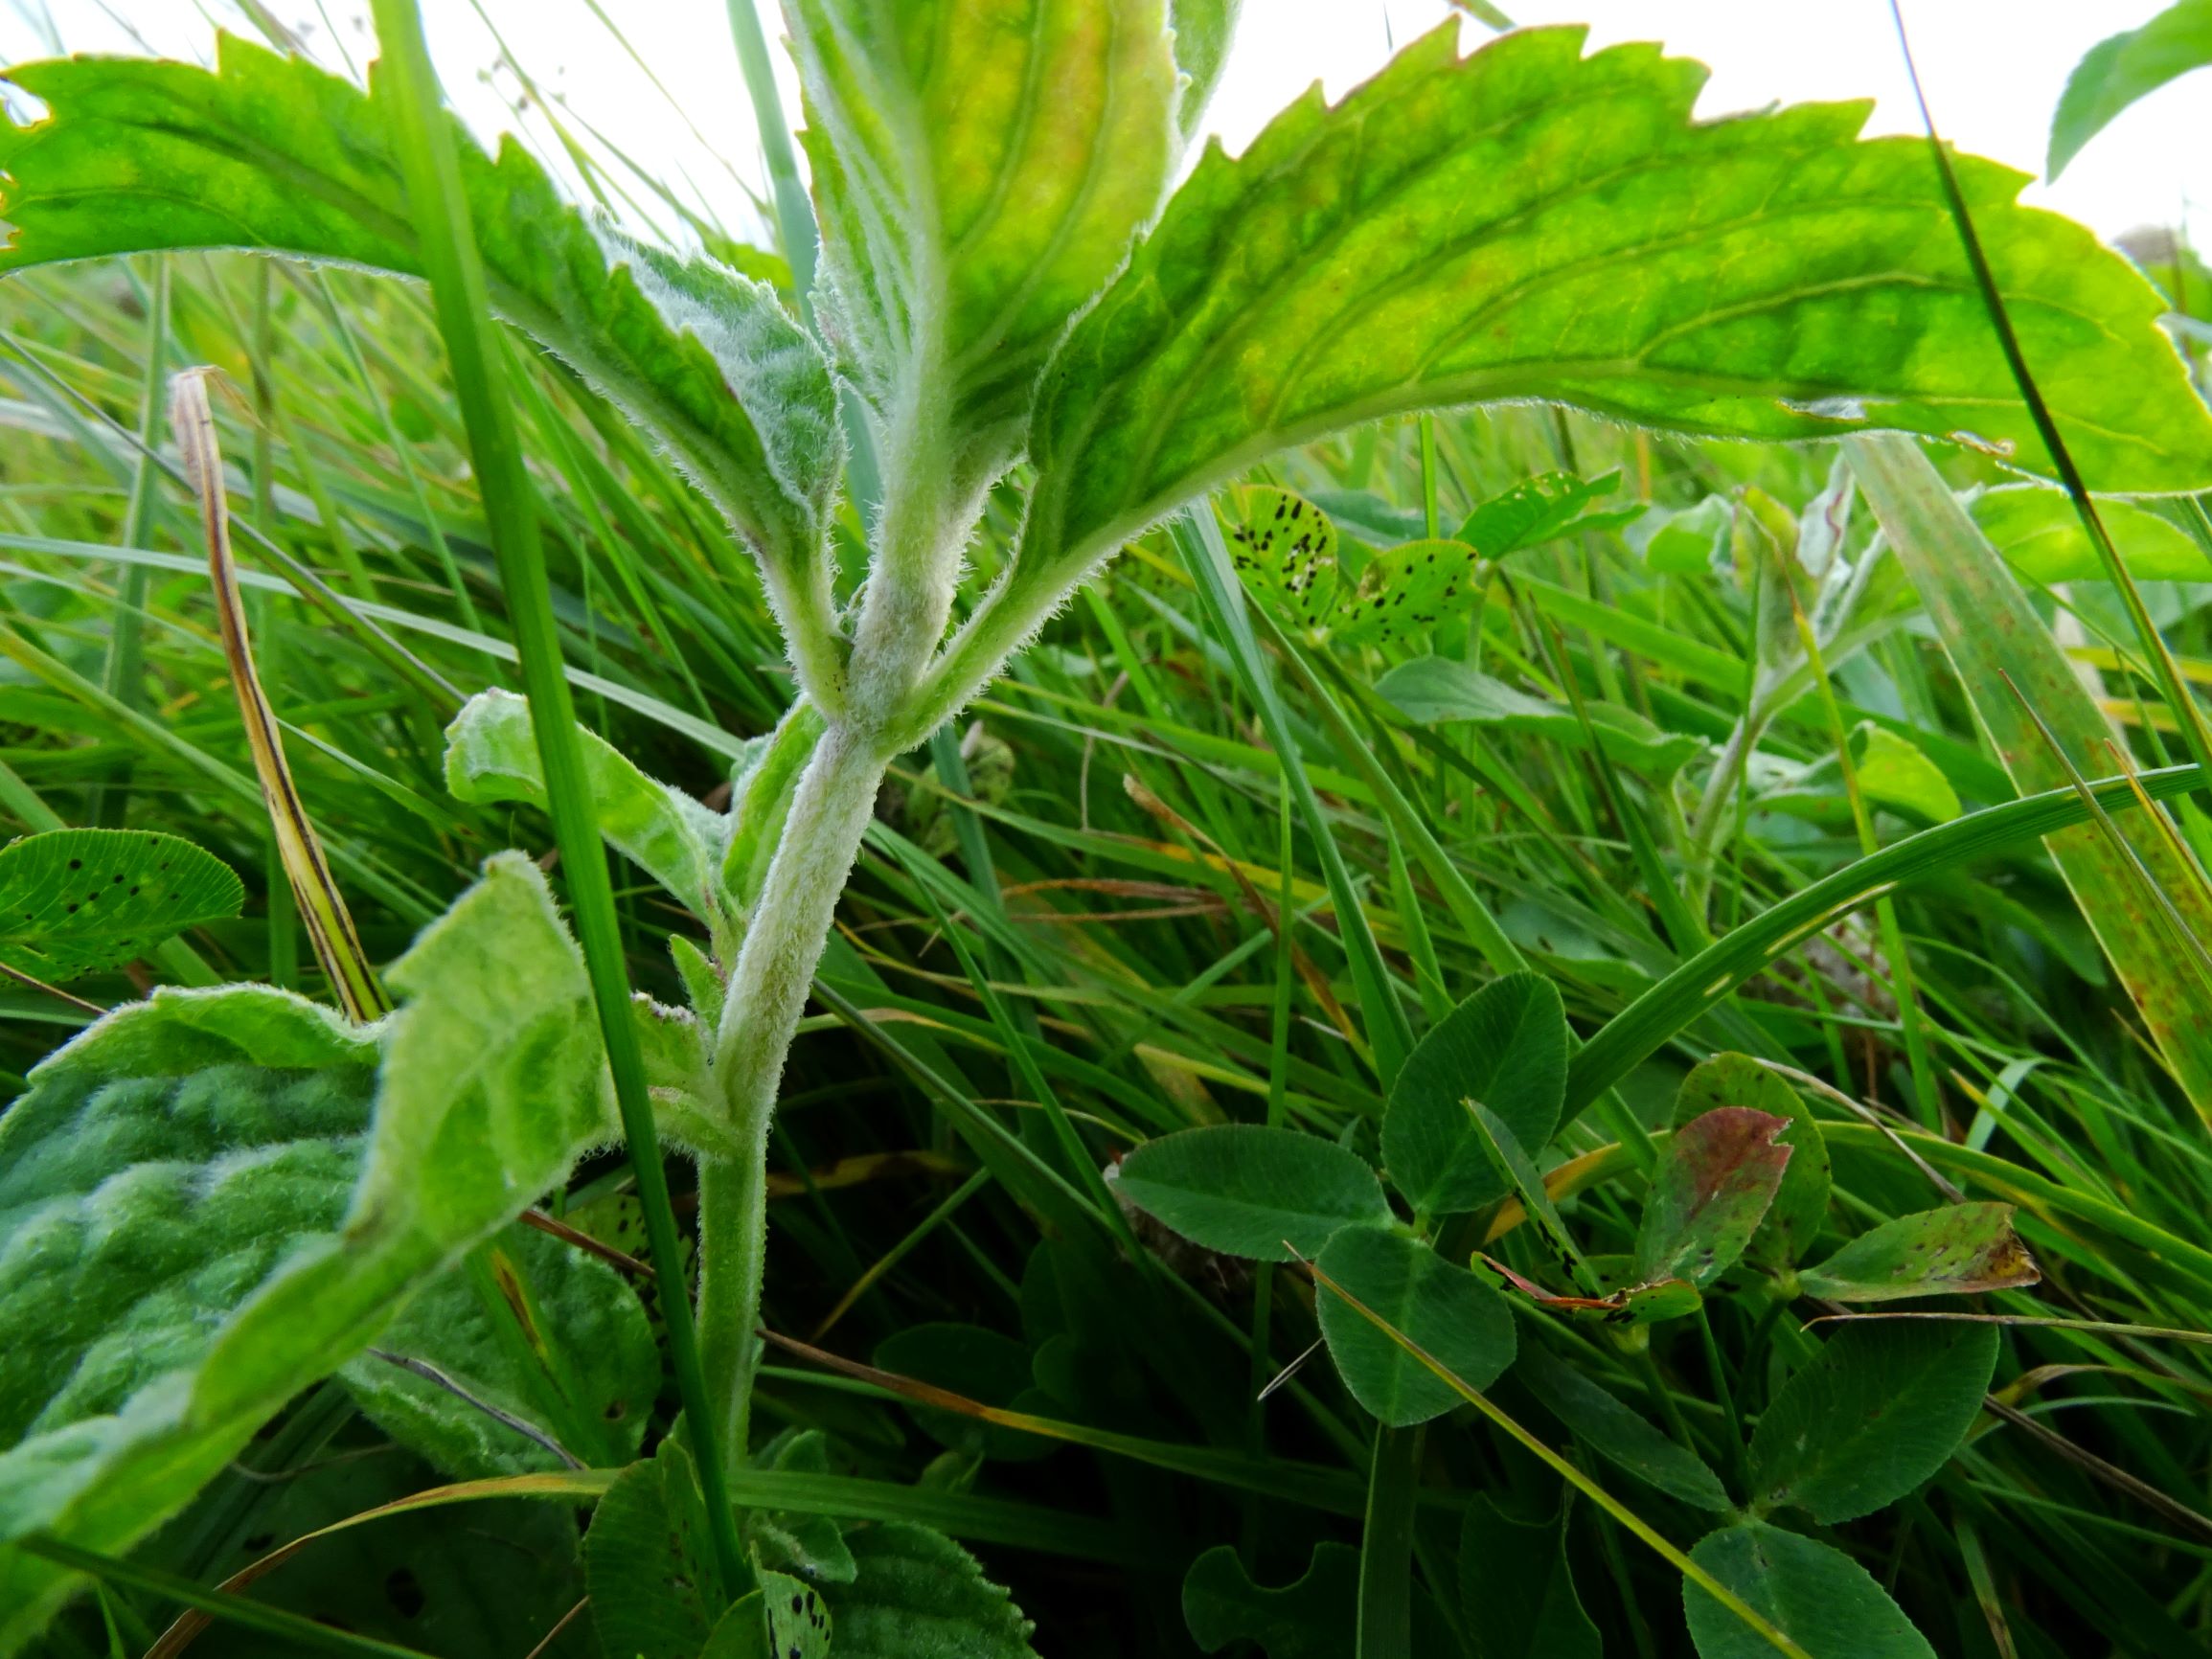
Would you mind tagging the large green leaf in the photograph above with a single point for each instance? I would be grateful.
(271, 153)
(2124, 67)
(1817, 1596)
(74, 902)
(979, 167)
(533, 1327)
(1517, 1591)
(1246, 1189)
(655, 1590)
(1452, 1316)
(2005, 656)
(492, 755)
(2040, 532)
(1526, 223)
(1504, 1047)
(202, 1215)
(1882, 1409)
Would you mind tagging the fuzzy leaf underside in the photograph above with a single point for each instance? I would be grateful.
(203, 1213)
(979, 167)
(75, 901)
(271, 153)
(1529, 223)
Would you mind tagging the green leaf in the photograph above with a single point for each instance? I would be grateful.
(784, 1619)
(1880, 1411)
(1526, 223)
(1516, 1592)
(978, 170)
(1800, 1204)
(1309, 1618)
(655, 1590)
(1456, 1319)
(918, 1594)
(1543, 508)
(1244, 1190)
(1407, 592)
(269, 151)
(1893, 773)
(492, 755)
(1444, 691)
(1954, 1251)
(75, 901)
(538, 1328)
(982, 1365)
(1709, 1194)
(679, 1075)
(1284, 549)
(2122, 68)
(1506, 1047)
(181, 1256)
(1618, 1433)
(1818, 1597)
(811, 1546)
(2005, 656)
(2041, 535)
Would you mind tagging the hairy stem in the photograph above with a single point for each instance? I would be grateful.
(768, 993)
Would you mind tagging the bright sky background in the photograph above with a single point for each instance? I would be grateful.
(1993, 69)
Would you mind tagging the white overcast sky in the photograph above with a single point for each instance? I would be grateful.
(1993, 69)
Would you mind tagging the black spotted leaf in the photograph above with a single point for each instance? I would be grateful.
(1311, 1618)
(75, 901)
(1811, 1592)
(212, 1198)
(1284, 549)
(916, 1595)
(1879, 1410)
(1406, 591)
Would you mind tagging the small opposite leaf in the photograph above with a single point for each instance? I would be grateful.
(1955, 1251)
(1452, 1316)
(1516, 1590)
(1817, 1596)
(492, 755)
(1244, 1190)
(1505, 1048)
(1311, 1618)
(1709, 1194)
(1617, 1433)
(1801, 1203)
(918, 1594)
(75, 901)
(1880, 1411)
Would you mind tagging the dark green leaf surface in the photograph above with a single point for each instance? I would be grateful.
(655, 1590)
(1452, 1316)
(538, 1328)
(1244, 1190)
(190, 1243)
(1954, 1251)
(918, 1594)
(1618, 1433)
(272, 152)
(1801, 1202)
(1444, 691)
(979, 166)
(75, 901)
(2125, 67)
(982, 1365)
(1311, 1618)
(1879, 1412)
(1505, 1048)
(1818, 1597)
(1516, 1592)
(1709, 1194)
(1526, 223)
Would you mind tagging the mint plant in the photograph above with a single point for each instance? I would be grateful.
(1023, 305)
